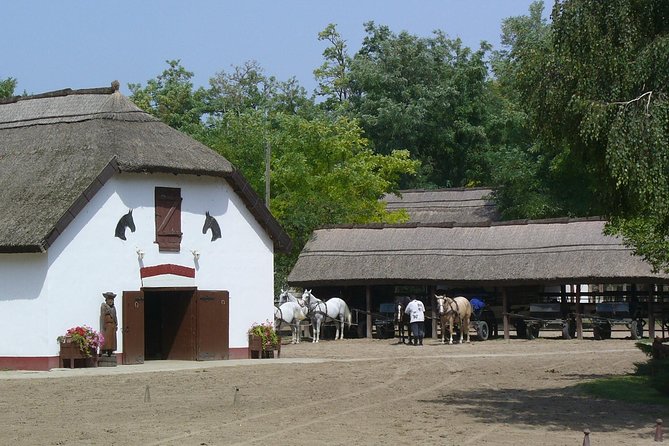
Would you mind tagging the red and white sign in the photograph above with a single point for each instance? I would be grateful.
(167, 275)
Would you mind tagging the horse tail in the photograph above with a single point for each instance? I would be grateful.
(347, 315)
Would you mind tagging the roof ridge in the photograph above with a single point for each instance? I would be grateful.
(452, 224)
(63, 92)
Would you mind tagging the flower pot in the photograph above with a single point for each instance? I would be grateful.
(71, 352)
(258, 351)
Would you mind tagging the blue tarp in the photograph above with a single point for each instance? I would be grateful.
(477, 304)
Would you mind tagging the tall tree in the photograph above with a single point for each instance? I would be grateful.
(612, 99)
(425, 95)
(527, 175)
(596, 93)
(333, 74)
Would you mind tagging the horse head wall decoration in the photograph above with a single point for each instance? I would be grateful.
(211, 223)
(124, 222)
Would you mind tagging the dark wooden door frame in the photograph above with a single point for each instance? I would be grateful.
(211, 336)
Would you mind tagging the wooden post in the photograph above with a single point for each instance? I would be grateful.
(579, 317)
(368, 310)
(658, 430)
(564, 305)
(586, 437)
(505, 313)
(652, 290)
(433, 304)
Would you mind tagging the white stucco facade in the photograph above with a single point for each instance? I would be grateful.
(42, 295)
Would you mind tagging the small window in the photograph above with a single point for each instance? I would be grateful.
(168, 218)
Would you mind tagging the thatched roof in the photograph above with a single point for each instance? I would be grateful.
(57, 149)
(502, 253)
(459, 205)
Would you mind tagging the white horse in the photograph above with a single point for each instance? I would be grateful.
(287, 296)
(292, 313)
(450, 309)
(334, 309)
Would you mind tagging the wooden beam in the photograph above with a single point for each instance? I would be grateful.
(505, 312)
(579, 316)
(433, 304)
(368, 310)
(652, 291)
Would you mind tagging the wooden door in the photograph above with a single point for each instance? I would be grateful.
(212, 340)
(133, 327)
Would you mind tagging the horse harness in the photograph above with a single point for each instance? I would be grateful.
(285, 321)
(315, 309)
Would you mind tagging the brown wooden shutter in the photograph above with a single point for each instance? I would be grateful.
(168, 218)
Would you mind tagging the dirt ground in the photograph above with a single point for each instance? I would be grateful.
(355, 391)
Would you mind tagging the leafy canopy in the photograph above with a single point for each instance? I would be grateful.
(425, 95)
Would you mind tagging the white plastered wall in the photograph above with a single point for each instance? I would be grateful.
(44, 294)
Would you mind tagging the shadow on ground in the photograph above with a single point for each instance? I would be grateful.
(555, 409)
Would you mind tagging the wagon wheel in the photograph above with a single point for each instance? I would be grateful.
(521, 329)
(532, 332)
(606, 331)
(565, 332)
(636, 330)
(482, 331)
(597, 333)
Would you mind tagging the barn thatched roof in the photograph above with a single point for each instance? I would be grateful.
(459, 205)
(58, 148)
(501, 253)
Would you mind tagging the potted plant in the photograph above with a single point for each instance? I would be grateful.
(263, 339)
(80, 342)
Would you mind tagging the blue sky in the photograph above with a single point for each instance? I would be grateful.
(48, 44)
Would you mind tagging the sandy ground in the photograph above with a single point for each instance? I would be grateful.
(355, 391)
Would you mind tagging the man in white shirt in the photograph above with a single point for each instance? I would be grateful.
(416, 311)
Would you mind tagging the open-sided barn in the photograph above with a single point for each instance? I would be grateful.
(367, 264)
(98, 196)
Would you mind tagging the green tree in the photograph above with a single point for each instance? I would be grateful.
(172, 99)
(333, 74)
(594, 87)
(323, 172)
(535, 170)
(246, 87)
(425, 95)
(7, 87)
(611, 99)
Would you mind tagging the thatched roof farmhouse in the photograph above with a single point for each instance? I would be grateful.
(98, 196)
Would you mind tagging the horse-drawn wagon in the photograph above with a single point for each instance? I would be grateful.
(384, 321)
(544, 316)
(609, 314)
(484, 322)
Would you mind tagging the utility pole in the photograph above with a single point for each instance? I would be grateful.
(268, 153)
